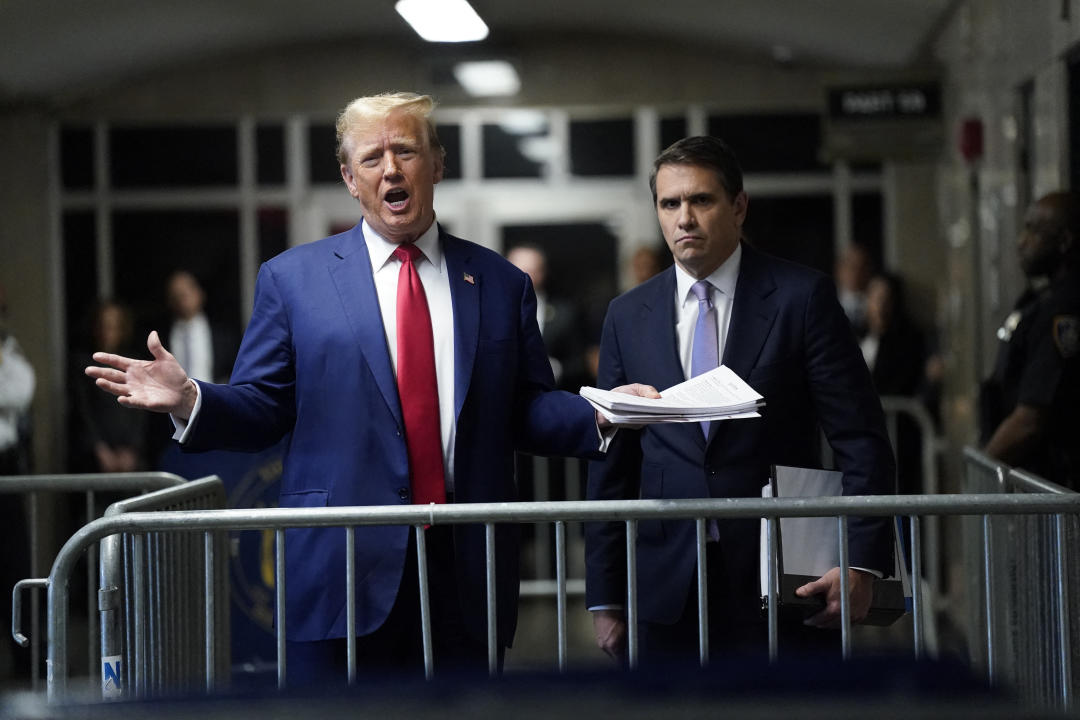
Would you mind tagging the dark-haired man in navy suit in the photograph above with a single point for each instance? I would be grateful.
(337, 327)
(778, 326)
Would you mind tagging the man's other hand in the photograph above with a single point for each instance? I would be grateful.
(610, 629)
(160, 384)
(861, 585)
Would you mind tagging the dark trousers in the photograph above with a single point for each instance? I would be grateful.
(396, 647)
(735, 629)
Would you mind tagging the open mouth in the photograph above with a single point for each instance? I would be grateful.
(396, 198)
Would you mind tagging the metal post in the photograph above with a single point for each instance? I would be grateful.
(279, 602)
(631, 594)
(208, 580)
(702, 594)
(988, 591)
(350, 602)
(773, 527)
(141, 661)
(91, 578)
(1064, 633)
(57, 661)
(560, 591)
(425, 601)
(845, 590)
(492, 617)
(35, 599)
(916, 588)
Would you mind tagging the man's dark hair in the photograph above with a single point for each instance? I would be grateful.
(703, 151)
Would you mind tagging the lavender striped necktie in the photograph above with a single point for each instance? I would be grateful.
(704, 354)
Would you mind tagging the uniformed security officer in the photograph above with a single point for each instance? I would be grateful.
(1031, 403)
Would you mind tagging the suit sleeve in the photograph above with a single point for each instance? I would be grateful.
(550, 422)
(258, 406)
(851, 417)
(615, 477)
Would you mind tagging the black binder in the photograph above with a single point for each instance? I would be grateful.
(811, 549)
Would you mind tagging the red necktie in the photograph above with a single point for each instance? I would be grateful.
(417, 387)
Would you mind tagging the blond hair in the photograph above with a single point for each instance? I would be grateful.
(365, 110)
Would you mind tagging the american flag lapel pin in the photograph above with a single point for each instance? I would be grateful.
(470, 279)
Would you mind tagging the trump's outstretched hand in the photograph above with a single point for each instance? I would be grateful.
(160, 384)
(632, 389)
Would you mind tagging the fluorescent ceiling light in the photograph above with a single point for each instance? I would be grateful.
(488, 78)
(443, 20)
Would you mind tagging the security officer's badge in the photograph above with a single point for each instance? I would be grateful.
(1005, 332)
(1067, 335)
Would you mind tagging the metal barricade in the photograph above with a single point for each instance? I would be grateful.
(1026, 568)
(160, 632)
(31, 486)
(629, 512)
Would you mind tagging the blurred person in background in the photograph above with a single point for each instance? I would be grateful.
(106, 437)
(559, 320)
(895, 351)
(206, 349)
(852, 273)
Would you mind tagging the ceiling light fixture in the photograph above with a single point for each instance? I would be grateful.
(488, 78)
(443, 20)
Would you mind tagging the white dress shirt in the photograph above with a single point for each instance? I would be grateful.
(723, 280)
(193, 345)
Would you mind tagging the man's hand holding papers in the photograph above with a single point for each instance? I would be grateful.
(719, 394)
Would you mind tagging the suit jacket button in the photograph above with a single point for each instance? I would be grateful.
(403, 493)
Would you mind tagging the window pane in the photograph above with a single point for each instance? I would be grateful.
(450, 137)
(322, 154)
(77, 158)
(772, 143)
(270, 154)
(602, 147)
(273, 232)
(867, 224)
(80, 276)
(796, 228)
(509, 153)
(144, 157)
(672, 129)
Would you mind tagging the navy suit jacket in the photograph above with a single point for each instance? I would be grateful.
(789, 339)
(314, 363)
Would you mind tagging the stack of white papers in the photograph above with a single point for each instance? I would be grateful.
(719, 394)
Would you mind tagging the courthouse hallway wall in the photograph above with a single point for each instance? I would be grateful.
(989, 51)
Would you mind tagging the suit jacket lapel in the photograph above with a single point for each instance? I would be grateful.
(465, 287)
(753, 312)
(350, 270)
(657, 323)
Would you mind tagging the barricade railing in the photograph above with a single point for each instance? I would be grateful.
(88, 484)
(152, 632)
(630, 512)
(540, 553)
(1026, 568)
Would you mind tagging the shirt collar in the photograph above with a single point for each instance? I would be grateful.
(722, 278)
(381, 250)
